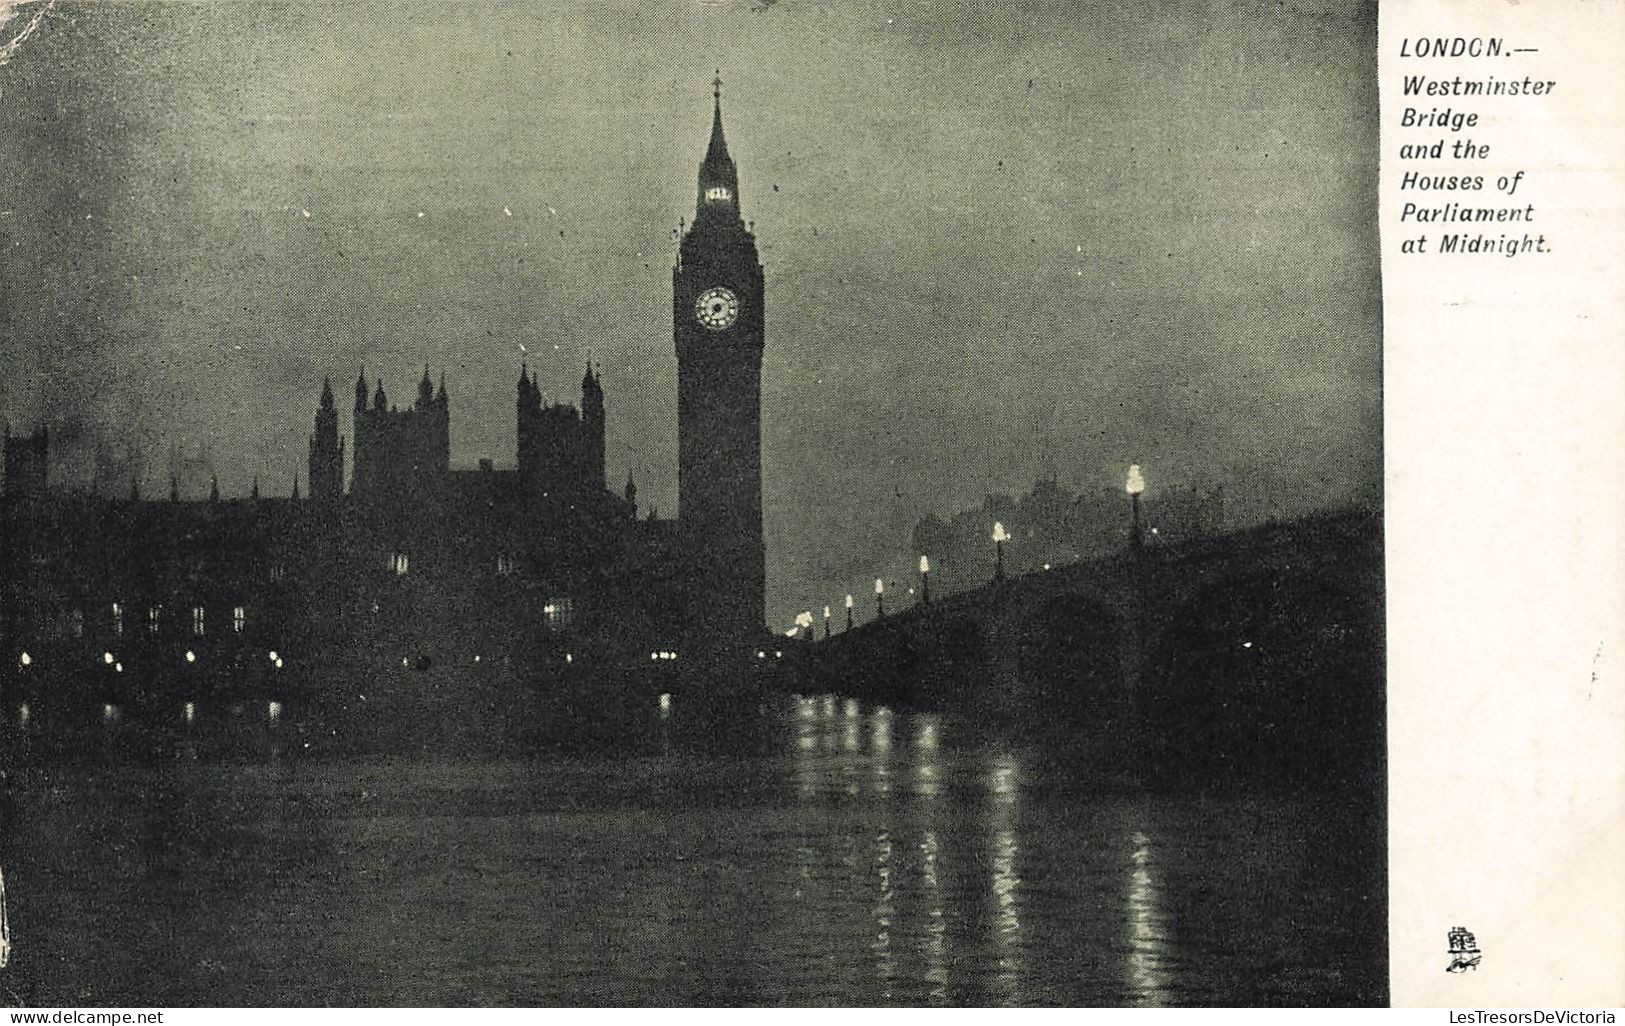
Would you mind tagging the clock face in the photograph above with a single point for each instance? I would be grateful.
(717, 308)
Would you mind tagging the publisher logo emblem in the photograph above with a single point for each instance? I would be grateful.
(1464, 953)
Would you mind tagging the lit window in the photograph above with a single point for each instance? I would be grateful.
(398, 563)
(197, 620)
(506, 564)
(238, 618)
(155, 616)
(559, 613)
(118, 620)
(717, 192)
(278, 571)
(76, 622)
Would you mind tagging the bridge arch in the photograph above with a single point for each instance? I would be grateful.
(1278, 669)
(1069, 654)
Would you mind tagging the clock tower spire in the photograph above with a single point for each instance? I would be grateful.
(718, 326)
(719, 178)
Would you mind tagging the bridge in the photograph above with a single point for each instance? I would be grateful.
(1260, 647)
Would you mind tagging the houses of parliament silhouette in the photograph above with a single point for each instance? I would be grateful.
(419, 564)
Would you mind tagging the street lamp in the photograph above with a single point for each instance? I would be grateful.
(826, 623)
(925, 580)
(1000, 536)
(1134, 486)
(880, 598)
(849, 611)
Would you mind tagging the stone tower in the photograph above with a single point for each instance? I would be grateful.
(718, 325)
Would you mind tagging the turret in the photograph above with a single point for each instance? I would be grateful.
(379, 400)
(425, 390)
(326, 464)
(592, 422)
(361, 391)
(523, 399)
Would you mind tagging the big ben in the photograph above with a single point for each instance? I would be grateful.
(718, 325)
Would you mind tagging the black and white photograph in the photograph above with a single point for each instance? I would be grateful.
(691, 503)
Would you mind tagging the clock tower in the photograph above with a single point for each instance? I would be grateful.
(718, 327)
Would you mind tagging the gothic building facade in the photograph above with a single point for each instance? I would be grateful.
(535, 571)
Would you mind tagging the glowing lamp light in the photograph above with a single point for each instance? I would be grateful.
(191, 656)
(826, 612)
(999, 533)
(925, 564)
(107, 657)
(273, 655)
(665, 702)
(569, 657)
(279, 664)
(1135, 483)
(849, 602)
(118, 667)
(880, 586)
(28, 660)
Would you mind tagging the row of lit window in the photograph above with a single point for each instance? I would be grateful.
(558, 614)
(112, 713)
(400, 564)
(155, 616)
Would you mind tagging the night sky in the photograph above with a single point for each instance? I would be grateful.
(998, 239)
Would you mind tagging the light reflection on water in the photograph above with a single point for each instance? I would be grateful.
(1006, 881)
(1146, 940)
(868, 856)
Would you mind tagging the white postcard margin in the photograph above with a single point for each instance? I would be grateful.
(1504, 413)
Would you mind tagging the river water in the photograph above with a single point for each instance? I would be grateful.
(839, 854)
